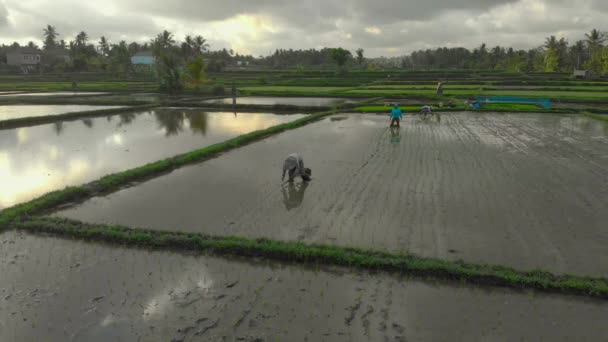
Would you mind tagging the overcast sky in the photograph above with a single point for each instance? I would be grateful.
(381, 27)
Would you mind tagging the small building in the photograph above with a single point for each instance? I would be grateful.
(28, 59)
(143, 58)
(580, 74)
(23, 57)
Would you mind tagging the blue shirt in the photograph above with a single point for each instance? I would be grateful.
(396, 113)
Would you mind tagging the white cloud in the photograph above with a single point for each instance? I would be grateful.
(373, 30)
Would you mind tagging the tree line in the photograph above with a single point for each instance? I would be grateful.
(553, 55)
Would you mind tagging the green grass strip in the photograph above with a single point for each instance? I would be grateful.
(297, 252)
(601, 117)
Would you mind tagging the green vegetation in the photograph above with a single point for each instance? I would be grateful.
(579, 95)
(601, 117)
(513, 107)
(296, 252)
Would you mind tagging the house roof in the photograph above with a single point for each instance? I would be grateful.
(26, 51)
(144, 54)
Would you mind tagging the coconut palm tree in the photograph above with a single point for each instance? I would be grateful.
(551, 43)
(104, 46)
(50, 35)
(201, 44)
(82, 38)
(595, 39)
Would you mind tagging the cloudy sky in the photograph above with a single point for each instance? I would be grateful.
(381, 27)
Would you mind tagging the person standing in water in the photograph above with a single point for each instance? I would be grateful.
(440, 88)
(396, 116)
(294, 166)
(233, 91)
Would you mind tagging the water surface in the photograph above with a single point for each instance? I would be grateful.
(524, 190)
(294, 101)
(8, 112)
(35, 160)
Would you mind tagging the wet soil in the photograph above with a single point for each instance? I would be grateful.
(62, 290)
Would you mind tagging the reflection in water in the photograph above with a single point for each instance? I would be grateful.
(38, 159)
(58, 127)
(88, 123)
(395, 135)
(293, 194)
(174, 122)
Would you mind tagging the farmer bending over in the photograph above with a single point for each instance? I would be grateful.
(396, 116)
(294, 165)
(426, 110)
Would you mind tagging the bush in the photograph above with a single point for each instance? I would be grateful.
(218, 89)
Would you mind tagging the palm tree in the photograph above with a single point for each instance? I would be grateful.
(165, 39)
(50, 35)
(577, 53)
(201, 43)
(595, 42)
(595, 39)
(82, 38)
(551, 43)
(104, 46)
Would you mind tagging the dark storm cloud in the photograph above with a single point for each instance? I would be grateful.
(389, 27)
(310, 11)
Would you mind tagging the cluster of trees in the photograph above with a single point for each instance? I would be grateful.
(555, 55)
(188, 60)
(83, 54)
(325, 57)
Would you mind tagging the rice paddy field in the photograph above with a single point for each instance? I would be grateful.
(131, 215)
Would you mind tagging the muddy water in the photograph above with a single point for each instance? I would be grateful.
(36, 160)
(528, 191)
(62, 290)
(26, 111)
(294, 101)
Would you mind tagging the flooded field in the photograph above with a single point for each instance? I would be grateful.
(524, 190)
(62, 290)
(35, 160)
(294, 101)
(8, 112)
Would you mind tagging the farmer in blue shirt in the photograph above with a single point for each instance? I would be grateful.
(396, 116)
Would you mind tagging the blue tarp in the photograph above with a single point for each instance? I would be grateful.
(511, 99)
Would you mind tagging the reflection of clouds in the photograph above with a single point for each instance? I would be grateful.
(36, 178)
(22, 135)
(52, 151)
(182, 290)
(245, 123)
(114, 139)
(36, 160)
